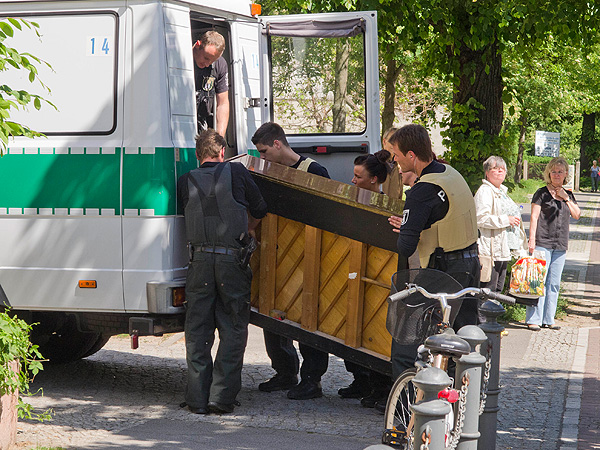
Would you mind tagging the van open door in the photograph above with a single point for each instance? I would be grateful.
(320, 82)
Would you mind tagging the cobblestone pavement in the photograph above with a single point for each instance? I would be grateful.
(119, 388)
(99, 400)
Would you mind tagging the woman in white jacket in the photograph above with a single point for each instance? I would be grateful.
(499, 220)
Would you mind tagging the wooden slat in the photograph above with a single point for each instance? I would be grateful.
(268, 264)
(354, 311)
(312, 268)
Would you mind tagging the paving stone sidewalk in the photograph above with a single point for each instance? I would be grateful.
(548, 377)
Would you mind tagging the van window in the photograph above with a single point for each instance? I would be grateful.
(318, 83)
(82, 52)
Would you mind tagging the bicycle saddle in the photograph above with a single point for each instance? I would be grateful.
(447, 344)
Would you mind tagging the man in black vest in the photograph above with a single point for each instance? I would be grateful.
(222, 206)
(212, 82)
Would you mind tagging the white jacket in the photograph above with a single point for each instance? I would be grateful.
(491, 223)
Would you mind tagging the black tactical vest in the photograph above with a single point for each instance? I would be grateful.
(212, 216)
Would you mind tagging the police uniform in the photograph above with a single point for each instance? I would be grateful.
(440, 214)
(216, 199)
(209, 81)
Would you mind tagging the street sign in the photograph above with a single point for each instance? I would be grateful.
(547, 143)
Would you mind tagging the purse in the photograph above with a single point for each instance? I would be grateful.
(487, 264)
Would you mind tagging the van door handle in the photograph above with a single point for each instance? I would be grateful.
(251, 102)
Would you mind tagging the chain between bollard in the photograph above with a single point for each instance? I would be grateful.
(426, 439)
(486, 376)
(460, 416)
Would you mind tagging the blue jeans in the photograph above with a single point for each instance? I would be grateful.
(545, 310)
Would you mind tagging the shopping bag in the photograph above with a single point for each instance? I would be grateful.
(528, 277)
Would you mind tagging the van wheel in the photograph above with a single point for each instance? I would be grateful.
(100, 342)
(67, 343)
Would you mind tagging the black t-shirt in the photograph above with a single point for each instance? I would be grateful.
(244, 190)
(221, 75)
(314, 168)
(210, 81)
(426, 204)
(553, 223)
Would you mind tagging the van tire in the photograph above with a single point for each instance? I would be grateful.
(67, 343)
(100, 342)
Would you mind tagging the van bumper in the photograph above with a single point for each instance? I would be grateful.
(166, 297)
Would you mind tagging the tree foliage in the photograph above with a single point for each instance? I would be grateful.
(16, 346)
(14, 98)
(492, 56)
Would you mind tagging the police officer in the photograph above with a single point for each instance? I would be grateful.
(212, 82)
(439, 220)
(222, 205)
(271, 143)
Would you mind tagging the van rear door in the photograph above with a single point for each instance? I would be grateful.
(320, 82)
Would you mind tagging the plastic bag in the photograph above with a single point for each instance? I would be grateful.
(528, 277)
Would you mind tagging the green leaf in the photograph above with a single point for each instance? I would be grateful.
(7, 29)
(15, 23)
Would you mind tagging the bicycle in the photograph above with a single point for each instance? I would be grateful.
(416, 315)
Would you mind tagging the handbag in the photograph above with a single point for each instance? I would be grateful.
(487, 264)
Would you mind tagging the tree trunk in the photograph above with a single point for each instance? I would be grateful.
(485, 87)
(389, 97)
(521, 150)
(342, 54)
(588, 142)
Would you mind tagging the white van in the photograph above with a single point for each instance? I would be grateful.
(91, 243)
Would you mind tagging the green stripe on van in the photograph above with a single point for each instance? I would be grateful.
(75, 182)
(60, 181)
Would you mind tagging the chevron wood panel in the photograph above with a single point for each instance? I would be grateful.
(364, 302)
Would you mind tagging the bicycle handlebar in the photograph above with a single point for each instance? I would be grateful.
(442, 296)
(499, 297)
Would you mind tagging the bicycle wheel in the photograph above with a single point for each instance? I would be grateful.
(398, 426)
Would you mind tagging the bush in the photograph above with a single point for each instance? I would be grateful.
(16, 346)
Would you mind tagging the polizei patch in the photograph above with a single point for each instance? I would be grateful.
(405, 214)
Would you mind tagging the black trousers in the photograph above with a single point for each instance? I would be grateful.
(466, 271)
(285, 361)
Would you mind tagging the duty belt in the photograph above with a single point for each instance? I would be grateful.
(216, 249)
(461, 254)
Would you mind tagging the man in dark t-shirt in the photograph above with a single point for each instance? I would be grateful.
(212, 82)
(271, 143)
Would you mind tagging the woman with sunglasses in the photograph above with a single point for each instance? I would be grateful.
(551, 209)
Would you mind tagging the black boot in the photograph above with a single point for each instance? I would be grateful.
(358, 389)
(305, 390)
(279, 383)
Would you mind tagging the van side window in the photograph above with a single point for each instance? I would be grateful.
(318, 84)
(82, 72)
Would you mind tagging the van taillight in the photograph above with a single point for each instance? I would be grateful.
(178, 296)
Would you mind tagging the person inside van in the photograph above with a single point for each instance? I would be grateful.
(212, 82)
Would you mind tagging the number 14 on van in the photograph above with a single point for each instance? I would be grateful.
(98, 46)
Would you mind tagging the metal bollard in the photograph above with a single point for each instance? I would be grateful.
(469, 369)
(430, 413)
(489, 419)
